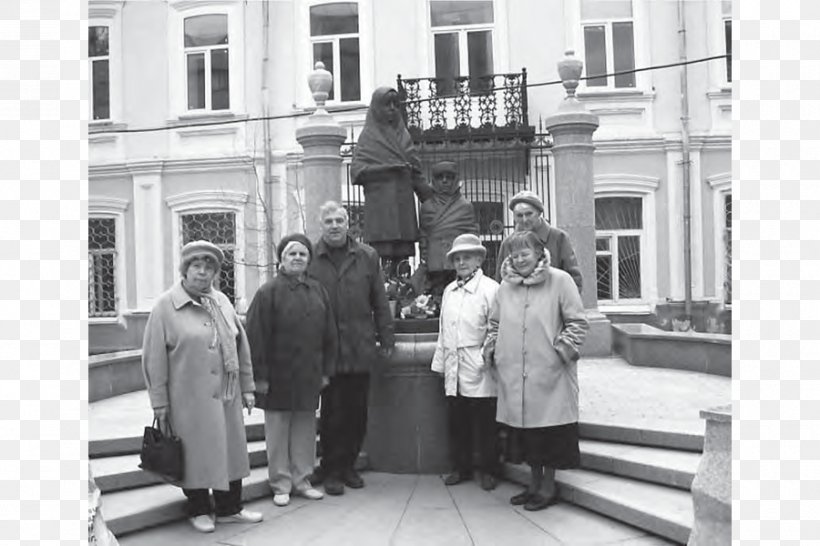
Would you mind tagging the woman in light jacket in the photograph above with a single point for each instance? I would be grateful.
(197, 368)
(468, 383)
(537, 326)
(294, 346)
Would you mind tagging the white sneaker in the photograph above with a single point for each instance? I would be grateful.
(243, 516)
(281, 499)
(203, 523)
(310, 493)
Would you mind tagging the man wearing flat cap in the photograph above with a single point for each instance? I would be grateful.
(442, 218)
(528, 210)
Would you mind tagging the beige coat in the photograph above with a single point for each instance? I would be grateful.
(537, 328)
(183, 372)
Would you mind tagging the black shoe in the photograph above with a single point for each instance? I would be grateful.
(317, 477)
(520, 498)
(456, 477)
(539, 502)
(488, 482)
(352, 479)
(334, 486)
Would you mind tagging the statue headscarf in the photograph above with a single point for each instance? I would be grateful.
(382, 143)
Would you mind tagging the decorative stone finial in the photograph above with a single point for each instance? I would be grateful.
(320, 82)
(569, 69)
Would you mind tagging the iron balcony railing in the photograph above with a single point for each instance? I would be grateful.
(492, 106)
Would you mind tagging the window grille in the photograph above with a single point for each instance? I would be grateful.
(102, 253)
(220, 229)
(618, 235)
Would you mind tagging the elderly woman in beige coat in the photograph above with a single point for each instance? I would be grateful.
(537, 326)
(197, 367)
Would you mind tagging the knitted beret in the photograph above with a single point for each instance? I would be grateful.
(199, 249)
(526, 196)
(293, 237)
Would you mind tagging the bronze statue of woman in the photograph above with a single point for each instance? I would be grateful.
(387, 165)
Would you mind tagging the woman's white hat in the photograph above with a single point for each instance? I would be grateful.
(467, 242)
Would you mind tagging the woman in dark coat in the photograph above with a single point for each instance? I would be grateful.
(387, 165)
(292, 334)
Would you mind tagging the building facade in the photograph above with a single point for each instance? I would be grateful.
(179, 149)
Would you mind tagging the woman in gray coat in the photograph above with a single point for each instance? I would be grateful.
(536, 328)
(197, 368)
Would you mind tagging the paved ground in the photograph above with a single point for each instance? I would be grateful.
(410, 510)
(612, 392)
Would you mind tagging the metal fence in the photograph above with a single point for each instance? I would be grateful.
(491, 171)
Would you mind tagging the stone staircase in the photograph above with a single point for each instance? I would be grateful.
(644, 485)
(638, 477)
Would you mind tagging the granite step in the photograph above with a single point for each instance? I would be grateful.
(133, 510)
(669, 467)
(130, 445)
(657, 509)
(642, 435)
(122, 472)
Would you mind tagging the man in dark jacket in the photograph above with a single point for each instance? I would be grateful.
(351, 274)
(527, 210)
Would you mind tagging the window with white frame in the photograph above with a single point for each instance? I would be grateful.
(462, 41)
(609, 43)
(102, 269)
(207, 62)
(220, 229)
(619, 233)
(726, 7)
(334, 38)
(99, 71)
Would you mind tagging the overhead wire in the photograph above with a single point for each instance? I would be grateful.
(345, 109)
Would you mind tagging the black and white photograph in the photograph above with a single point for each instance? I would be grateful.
(409, 272)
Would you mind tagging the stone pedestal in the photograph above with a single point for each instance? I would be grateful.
(571, 128)
(407, 416)
(712, 487)
(321, 138)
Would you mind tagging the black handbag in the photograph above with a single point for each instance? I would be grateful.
(161, 454)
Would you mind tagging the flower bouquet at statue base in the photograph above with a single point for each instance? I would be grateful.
(422, 307)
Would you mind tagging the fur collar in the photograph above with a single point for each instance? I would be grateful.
(538, 275)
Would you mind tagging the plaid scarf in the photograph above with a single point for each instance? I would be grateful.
(227, 346)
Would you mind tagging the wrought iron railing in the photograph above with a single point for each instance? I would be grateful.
(492, 106)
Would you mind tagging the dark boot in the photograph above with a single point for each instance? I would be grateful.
(352, 479)
(456, 477)
(334, 485)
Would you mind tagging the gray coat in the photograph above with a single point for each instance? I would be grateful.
(183, 372)
(536, 330)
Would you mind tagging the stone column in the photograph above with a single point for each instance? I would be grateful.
(571, 128)
(712, 487)
(321, 139)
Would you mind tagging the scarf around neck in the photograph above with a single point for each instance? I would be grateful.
(538, 275)
(227, 344)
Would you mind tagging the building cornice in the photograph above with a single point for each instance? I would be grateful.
(186, 165)
(207, 198)
(720, 181)
(104, 9)
(101, 204)
(609, 183)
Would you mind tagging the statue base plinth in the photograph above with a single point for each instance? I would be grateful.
(407, 416)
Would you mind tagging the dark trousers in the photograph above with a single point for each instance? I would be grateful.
(227, 503)
(473, 434)
(343, 421)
